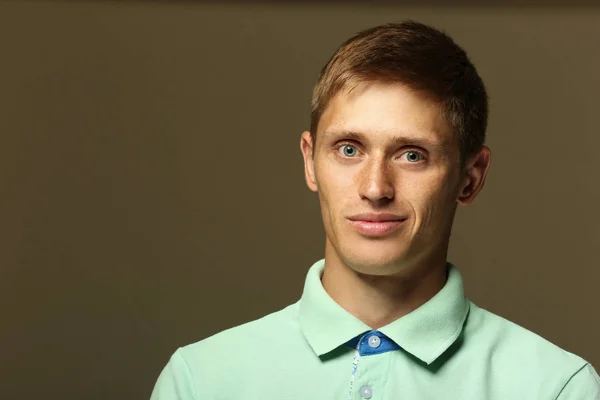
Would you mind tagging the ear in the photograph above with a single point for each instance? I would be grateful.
(475, 173)
(307, 148)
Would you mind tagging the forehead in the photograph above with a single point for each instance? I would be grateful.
(384, 111)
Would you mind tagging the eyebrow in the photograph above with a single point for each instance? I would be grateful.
(399, 139)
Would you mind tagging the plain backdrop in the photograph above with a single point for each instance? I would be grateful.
(152, 190)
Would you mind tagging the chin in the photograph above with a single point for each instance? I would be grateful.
(377, 258)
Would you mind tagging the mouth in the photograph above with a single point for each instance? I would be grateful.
(375, 225)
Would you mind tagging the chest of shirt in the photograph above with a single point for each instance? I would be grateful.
(345, 375)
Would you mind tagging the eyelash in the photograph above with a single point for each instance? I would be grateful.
(341, 145)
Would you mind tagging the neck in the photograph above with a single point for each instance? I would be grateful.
(379, 300)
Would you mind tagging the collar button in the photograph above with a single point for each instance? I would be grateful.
(374, 341)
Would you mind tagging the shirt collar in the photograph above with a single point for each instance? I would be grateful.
(425, 333)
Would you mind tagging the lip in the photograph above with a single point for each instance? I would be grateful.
(371, 224)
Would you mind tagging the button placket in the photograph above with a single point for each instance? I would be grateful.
(370, 376)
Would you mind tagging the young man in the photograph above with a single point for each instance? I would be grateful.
(397, 134)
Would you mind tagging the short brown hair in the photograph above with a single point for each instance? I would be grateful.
(419, 56)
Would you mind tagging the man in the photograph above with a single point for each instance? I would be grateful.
(398, 125)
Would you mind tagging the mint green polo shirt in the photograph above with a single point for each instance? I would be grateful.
(315, 350)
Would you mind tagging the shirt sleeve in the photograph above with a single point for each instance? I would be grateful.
(584, 385)
(175, 381)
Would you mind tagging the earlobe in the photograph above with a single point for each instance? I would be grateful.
(306, 147)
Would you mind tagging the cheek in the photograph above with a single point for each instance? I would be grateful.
(431, 199)
(335, 186)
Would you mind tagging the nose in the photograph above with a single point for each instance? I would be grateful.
(376, 181)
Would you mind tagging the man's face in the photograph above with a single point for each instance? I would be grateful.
(387, 171)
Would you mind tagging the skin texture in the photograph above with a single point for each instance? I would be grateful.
(384, 148)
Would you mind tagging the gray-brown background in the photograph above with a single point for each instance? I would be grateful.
(152, 193)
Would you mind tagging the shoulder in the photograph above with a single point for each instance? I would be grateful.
(585, 384)
(514, 341)
(222, 365)
(519, 352)
(245, 341)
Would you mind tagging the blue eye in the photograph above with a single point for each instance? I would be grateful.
(348, 150)
(413, 156)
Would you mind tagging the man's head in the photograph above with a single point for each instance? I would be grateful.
(398, 124)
